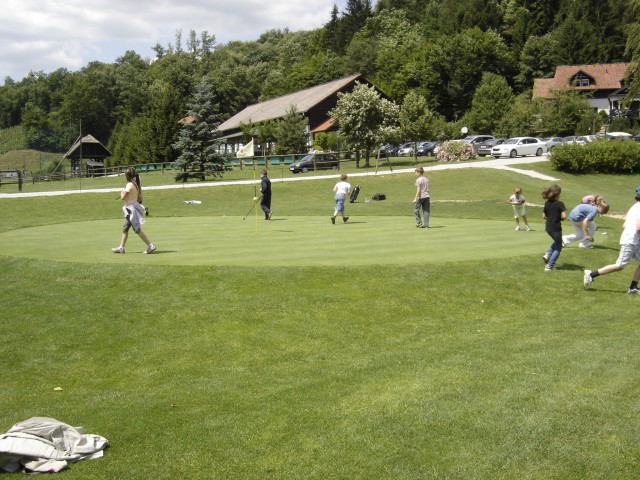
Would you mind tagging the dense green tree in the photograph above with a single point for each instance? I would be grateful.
(537, 60)
(363, 117)
(574, 38)
(290, 133)
(196, 144)
(355, 16)
(383, 51)
(521, 118)
(90, 100)
(455, 17)
(331, 34)
(490, 101)
(417, 121)
(454, 66)
(568, 113)
(132, 82)
(633, 51)
(326, 142)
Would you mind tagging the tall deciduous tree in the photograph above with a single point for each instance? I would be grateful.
(363, 117)
(490, 101)
(538, 59)
(568, 113)
(199, 155)
(521, 118)
(417, 121)
(454, 65)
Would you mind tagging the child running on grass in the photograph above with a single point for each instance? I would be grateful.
(342, 189)
(554, 212)
(582, 217)
(133, 213)
(517, 201)
(629, 248)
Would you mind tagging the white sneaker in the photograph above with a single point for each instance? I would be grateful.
(150, 248)
(527, 227)
(517, 229)
(585, 246)
(587, 279)
(118, 250)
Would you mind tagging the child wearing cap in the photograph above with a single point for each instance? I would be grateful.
(582, 218)
(629, 248)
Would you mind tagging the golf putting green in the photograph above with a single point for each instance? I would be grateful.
(285, 241)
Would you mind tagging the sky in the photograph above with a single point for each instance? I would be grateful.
(44, 35)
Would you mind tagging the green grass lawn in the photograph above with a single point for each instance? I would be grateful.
(384, 352)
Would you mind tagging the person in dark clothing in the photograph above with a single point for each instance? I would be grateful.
(554, 212)
(265, 189)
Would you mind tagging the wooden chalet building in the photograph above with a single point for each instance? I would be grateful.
(314, 103)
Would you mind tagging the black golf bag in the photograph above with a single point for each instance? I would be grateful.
(354, 194)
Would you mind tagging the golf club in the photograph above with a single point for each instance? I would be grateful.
(255, 202)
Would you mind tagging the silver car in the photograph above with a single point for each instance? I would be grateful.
(554, 142)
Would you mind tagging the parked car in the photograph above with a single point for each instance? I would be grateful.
(484, 149)
(575, 140)
(519, 146)
(425, 149)
(388, 150)
(584, 139)
(315, 161)
(405, 150)
(553, 142)
(476, 140)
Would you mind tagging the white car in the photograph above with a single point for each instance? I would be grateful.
(519, 146)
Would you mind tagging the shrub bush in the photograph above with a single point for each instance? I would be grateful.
(455, 151)
(603, 156)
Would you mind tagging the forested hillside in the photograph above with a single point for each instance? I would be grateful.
(442, 50)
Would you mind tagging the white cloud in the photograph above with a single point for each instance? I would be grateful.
(44, 35)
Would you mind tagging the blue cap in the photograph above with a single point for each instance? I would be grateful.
(638, 191)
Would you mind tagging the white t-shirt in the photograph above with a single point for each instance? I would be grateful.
(519, 200)
(630, 233)
(342, 188)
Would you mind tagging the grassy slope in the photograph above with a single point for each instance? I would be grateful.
(480, 369)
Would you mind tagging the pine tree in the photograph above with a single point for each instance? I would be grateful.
(199, 155)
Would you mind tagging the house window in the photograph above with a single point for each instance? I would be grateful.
(581, 80)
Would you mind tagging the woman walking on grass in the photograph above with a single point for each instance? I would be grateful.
(554, 212)
(133, 213)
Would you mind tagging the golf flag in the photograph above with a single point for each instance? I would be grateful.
(246, 151)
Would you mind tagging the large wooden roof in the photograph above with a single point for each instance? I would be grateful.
(87, 147)
(605, 76)
(303, 101)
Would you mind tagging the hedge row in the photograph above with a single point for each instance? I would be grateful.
(603, 156)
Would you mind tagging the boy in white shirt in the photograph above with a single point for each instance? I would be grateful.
(342, 189)
(629, 248)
